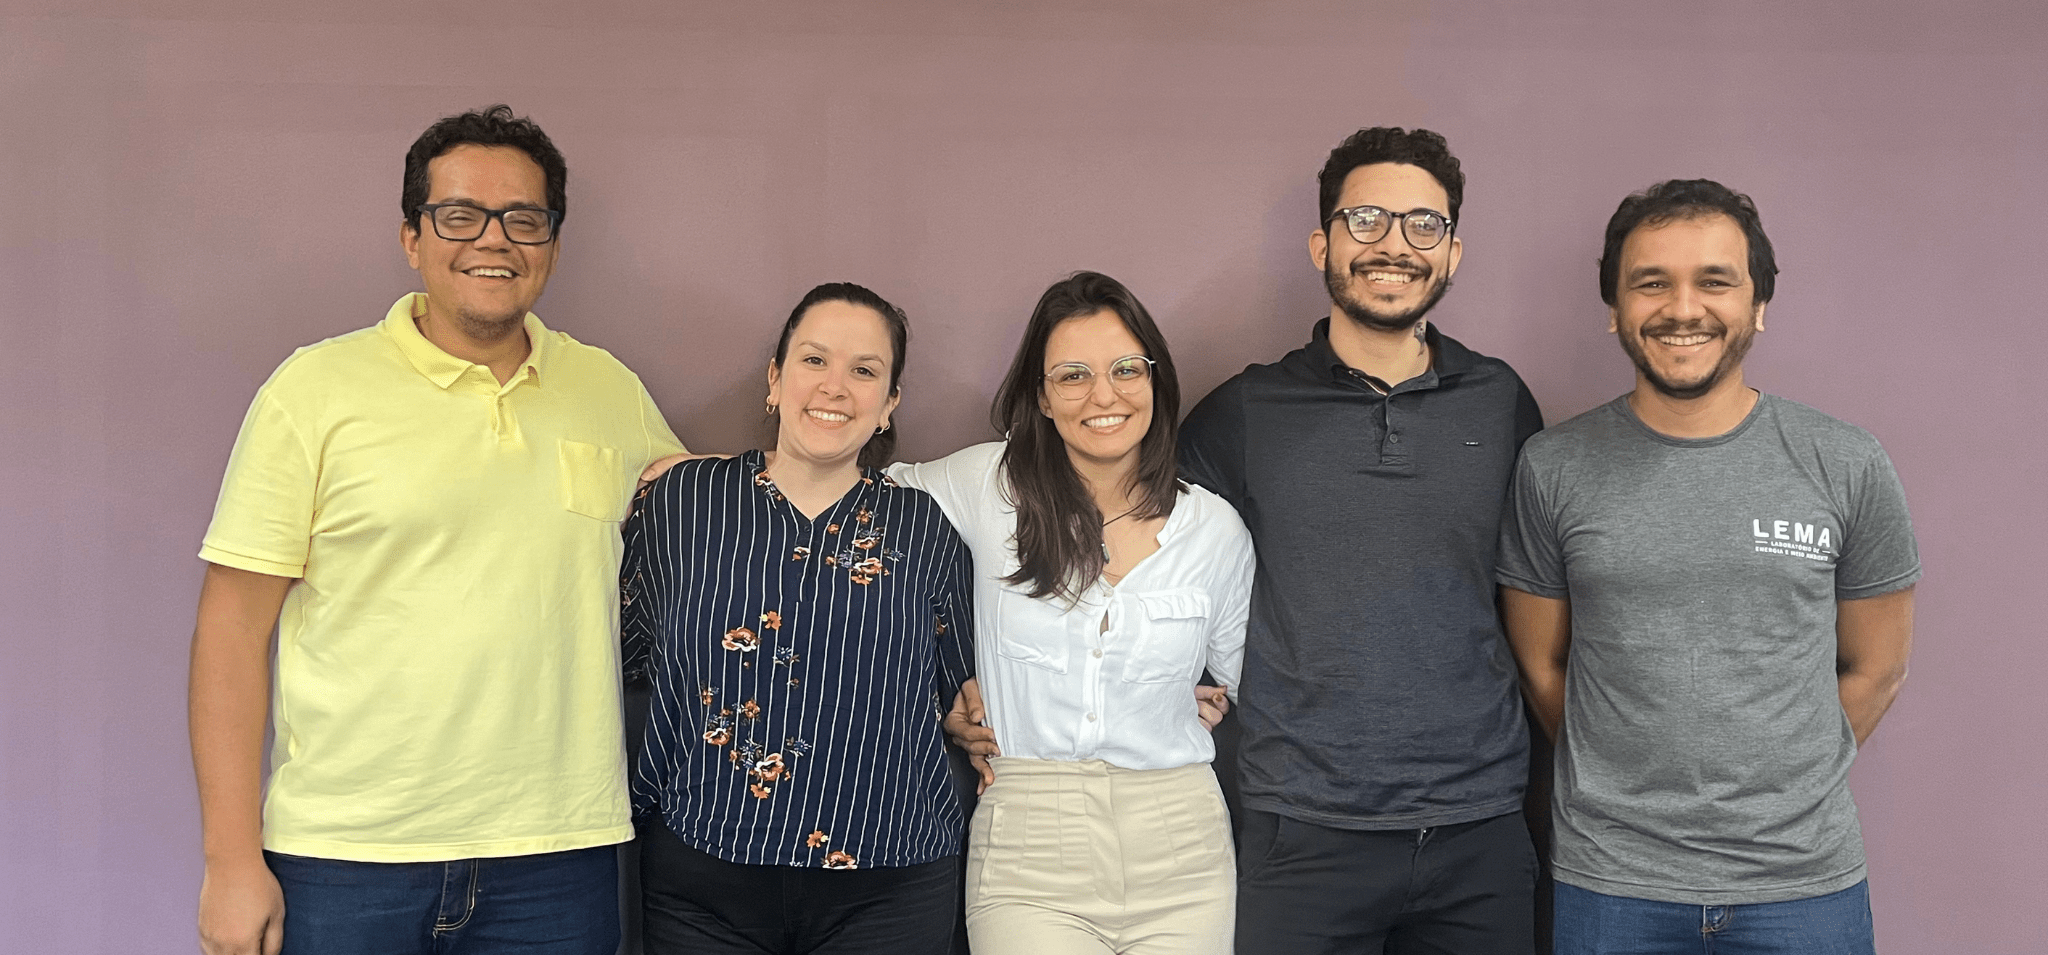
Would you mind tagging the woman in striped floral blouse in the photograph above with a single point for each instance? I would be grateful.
(801, 618)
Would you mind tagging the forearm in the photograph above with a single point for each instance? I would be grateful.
(1866, 697)
(1539, 633)
(1873, 639)
(229, 708)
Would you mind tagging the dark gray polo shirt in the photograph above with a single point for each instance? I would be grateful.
(1378, 691)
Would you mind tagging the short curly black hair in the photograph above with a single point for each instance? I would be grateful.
(490, 126)
(1418, 147)
(1675, 199)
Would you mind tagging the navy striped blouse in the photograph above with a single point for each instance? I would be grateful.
(799, 667)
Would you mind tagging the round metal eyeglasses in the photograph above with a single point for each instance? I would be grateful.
(1075, 380)
(461, 222)
(1423, 228)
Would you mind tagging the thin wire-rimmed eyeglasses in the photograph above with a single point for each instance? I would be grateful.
(461, 222)
(1074, 380)
(1423, 228)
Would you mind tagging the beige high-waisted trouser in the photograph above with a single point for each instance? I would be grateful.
(1085, 857)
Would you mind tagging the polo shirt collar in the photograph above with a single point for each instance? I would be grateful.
(442, 368)
(1451, 358)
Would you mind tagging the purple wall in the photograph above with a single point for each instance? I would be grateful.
(190, 190)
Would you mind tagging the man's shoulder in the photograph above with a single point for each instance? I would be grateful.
(583, 359)
(1825, 432)
(1594, 427)
(330, 361)
(1474, 365)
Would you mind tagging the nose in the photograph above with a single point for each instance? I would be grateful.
(488, 241)
(1686, 302)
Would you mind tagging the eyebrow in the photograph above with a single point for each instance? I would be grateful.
(1657, 271)
(472, 203)
(814, 346)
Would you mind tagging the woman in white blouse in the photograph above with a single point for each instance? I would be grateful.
(1105, 586)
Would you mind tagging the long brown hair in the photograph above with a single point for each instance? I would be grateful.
(1059, 528)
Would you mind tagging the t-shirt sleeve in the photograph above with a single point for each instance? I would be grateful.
(1212, 445)
(1879, 553)
(1531, 556)
(263, 520)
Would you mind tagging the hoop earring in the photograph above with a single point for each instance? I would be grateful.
(771, 409)
(884, 427)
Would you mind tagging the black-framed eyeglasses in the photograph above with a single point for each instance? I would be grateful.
(1074, 380)
(1423, 228)
(462, 222)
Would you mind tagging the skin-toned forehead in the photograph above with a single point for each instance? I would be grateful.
(852, 331)
(1701, 243)
(1097, 336)
(1394, 186)
(475, 167)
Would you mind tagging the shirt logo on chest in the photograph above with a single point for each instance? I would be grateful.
(1794, 539)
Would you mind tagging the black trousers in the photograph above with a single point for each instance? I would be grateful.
(1465, 889)
(695, 902)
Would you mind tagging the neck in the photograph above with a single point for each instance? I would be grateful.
(811, 485)
(502, 354)
(1710, 415)
(1391, 355)
(1113, 485)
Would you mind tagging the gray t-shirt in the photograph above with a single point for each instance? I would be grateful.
(1705, 755)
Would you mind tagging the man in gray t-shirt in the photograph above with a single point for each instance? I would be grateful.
(1709, 592)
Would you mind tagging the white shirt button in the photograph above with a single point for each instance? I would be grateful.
(1098, 653)
(1091, 717)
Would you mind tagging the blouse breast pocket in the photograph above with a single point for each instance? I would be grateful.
(1171, 642)
(590, 480)
(1031, 631)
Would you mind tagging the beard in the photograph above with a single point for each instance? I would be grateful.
(488, 326)
(1337, 279)
(1734, 347)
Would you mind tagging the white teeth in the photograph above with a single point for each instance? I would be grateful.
(491, 273)
(1104, 421)
(1681, 341)
(1397, 278)
(832, 416)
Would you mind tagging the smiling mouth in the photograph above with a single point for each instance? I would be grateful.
(1105, 421)
(490, 272)
(828, 417)
(1683, 341)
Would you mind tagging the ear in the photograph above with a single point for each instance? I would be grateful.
(1760, 315)
(409, 240)
(774, 378)
(889, 409)
(1318, 251)
(1457, 255)
(1044, 406)
(1613, 319)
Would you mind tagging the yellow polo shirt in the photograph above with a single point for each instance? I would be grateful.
(447, 680)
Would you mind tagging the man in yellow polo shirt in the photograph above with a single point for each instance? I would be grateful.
(427, 511)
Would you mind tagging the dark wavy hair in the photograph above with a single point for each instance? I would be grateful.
(1419, 147)
(1675, 199)
(880, 448)
(490, 126)
(1059, 528)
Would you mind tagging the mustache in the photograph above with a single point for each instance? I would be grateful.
(1402, 264)
(1689, 326)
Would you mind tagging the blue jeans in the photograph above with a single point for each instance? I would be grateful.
(556, 903)
(1589, 923)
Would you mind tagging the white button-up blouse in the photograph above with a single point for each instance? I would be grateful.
(1058, 685)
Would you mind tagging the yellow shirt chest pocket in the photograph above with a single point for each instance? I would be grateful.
(593, 480)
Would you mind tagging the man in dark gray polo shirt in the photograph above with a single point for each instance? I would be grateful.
(1385, 750)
